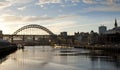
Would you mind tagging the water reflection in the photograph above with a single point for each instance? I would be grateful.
(2, 59)
(47, 58)
(104, 61)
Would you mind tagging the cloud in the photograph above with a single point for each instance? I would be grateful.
(103, 2)
(4, 4)
(75, 1)
(8, 3)
(42, 2)
(62, 3)
(22, 8)
(10, 18)
(61, 26)
(67, 17)
(89, 1)
(55, 24)
(110, 2)
(102, 6)
(14, 18)
(93, 5)
(19, 1)
(110, 8)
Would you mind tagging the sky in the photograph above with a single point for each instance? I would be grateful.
(59, 15)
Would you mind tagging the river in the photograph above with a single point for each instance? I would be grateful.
(47, 58)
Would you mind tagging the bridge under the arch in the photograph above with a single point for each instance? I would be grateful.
(31, 39)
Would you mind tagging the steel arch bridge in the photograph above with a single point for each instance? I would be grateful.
(31, 38)
(33, 26)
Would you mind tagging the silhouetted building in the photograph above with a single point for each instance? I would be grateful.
(93, 38)
(82, 37)
(63, 34)
(76, 34)
(116, 23)
(116, 29)
(111, 36)
(102, 29)
(1, 34)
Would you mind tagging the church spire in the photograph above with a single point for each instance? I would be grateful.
(116, 23)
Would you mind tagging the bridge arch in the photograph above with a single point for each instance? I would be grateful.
(33, 26)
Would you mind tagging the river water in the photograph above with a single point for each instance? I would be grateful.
(47, 58)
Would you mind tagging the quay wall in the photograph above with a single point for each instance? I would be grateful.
(113, 48)
(6, 50)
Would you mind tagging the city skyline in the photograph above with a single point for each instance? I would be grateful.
(59, 15)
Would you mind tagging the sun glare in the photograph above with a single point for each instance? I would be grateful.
(3, 27)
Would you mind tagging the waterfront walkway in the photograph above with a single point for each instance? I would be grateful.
(110, 47)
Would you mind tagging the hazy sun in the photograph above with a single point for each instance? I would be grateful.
(3, 27)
